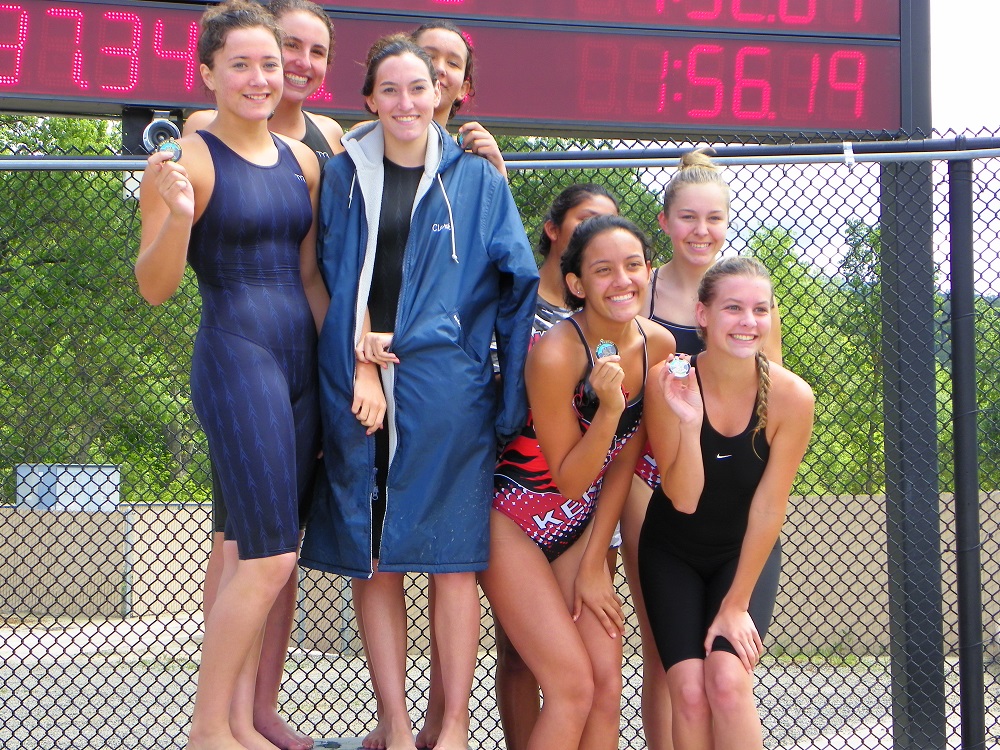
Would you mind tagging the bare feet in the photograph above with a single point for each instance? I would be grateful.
(375, 739)
(202, 741)
(251, 739)
(427, 737)
(279, 733)
(398, 735)
(459, 744)
(453, 737)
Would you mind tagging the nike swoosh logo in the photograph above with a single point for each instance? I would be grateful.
(728, 455)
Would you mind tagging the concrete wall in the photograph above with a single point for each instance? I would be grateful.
(144, 561)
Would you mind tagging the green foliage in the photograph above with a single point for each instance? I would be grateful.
(831, 338)
(987, 318)
(534, 190)
(58, 135)
(90, 373)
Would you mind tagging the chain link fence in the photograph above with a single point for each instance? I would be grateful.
(105, 518)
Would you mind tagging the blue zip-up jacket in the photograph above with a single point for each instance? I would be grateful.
(468, 273)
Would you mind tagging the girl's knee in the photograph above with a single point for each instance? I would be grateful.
(607, 698)
(608, 686)
(728, 686)
(689, 700)
(572, 688)
(274, 568)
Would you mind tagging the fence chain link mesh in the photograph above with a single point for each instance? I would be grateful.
(105, 520)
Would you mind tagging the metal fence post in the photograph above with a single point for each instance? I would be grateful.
(964, 400)
(913, 533)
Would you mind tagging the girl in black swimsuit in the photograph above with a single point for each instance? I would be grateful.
(728, 438)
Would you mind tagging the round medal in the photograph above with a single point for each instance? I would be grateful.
(679, 367)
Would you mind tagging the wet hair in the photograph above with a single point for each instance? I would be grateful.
(393, 45)
(219, 20)
(697, 168)
(565, 202)
(470, 58)
(749, 268)
(583, 235)
(278, 8)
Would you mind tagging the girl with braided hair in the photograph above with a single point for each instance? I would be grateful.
(728, 438)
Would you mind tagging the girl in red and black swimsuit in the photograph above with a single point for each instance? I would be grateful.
(560, 486)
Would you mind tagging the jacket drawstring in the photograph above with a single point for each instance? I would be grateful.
(451, 220)
(350, 195)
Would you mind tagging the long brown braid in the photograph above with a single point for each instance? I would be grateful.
(763, 391)
(750, 268)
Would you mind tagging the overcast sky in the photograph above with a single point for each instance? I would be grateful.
(965, 36)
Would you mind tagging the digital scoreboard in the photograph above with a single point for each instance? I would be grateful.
(625, 67)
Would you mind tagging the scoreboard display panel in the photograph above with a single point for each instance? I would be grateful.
(625, 67)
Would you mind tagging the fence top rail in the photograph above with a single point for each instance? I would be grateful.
(848, 152)
(845, 158)
(960, 143)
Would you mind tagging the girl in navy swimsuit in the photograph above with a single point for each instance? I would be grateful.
(307, 50)
(561, 484)
(239, 205)
(728, 438)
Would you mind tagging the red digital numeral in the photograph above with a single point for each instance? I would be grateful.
(16, 47)
(321, 94)
(189, 55)
(664, 75)
(851, 82)
(801, 77)
(131, 52)
(699, 53)
(844, 12)
(706, 15)
(748, 17)
(77, 16)
(808, 15)
(646, 75)
(744, 84)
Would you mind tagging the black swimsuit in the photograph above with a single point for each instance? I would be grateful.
(315, 140)
(688, 342)
(687, 561)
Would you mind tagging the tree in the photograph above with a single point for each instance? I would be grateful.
(534, 190)
(91, 373)
(821, 344)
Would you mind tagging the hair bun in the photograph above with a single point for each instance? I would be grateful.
(699, 157)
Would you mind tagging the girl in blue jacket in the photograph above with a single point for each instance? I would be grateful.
(425, 258)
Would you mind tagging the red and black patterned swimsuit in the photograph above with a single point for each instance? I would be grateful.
(523, 488)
